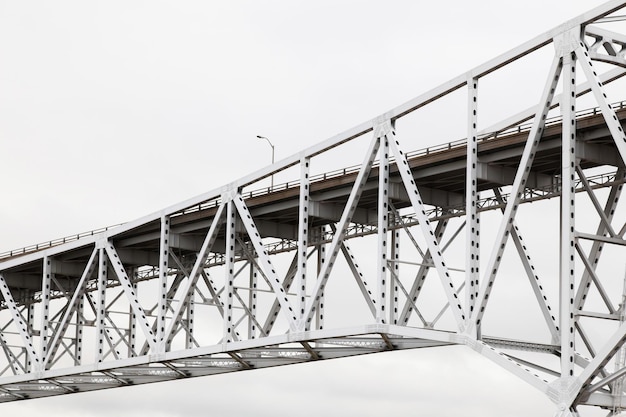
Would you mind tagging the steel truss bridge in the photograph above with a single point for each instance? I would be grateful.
(405, 250)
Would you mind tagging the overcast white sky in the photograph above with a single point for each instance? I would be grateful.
(112, 110)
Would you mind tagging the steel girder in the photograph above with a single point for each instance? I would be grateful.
(238, 279)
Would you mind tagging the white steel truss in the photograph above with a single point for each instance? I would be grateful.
(237, 279)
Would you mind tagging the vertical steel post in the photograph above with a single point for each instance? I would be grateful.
(30, 329)
(45, 307)
(132, 319)
(163, 270)
(303, 238)
(567, 239)
(78, 334)
(321, 258)
(383, 224)
(472, 226)
(395, 276)
(189, 340)
(231, 214)
(100, 317)
(252, 300)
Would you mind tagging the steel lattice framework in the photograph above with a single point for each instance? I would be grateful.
(238, 279)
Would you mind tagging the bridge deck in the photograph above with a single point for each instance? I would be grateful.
(439, 174)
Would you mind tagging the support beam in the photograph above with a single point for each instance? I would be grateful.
(46, 282)
(164, 255)
(101, 303)
(383, 224)
(303, 236)
(568, 203)
(472, 222)
(608, 46)
(229, 272)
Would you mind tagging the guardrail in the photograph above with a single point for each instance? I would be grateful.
(55, 242)
(525, 127)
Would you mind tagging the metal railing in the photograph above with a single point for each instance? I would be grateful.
(55, 242)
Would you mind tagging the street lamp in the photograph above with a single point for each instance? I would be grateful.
(268, 141)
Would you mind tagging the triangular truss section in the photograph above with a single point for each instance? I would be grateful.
(406, 249)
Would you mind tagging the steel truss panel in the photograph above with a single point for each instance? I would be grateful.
(238, 279)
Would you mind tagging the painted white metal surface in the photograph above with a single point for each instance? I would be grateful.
(233, 280)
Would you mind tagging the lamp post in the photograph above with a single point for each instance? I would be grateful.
(268, 141)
